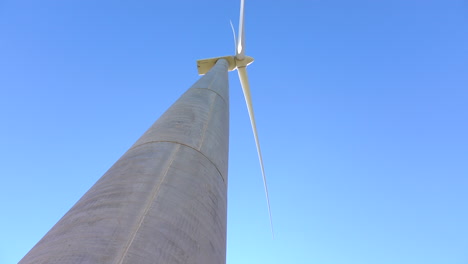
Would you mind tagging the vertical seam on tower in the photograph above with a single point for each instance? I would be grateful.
(148, 206)
(205, 127)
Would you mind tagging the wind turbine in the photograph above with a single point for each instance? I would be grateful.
(165, 199)
(240, 62)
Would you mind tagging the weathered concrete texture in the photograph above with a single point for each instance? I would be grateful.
(164, 200)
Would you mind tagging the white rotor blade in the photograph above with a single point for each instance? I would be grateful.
(248, 100)
(234, 34)
(240, 51)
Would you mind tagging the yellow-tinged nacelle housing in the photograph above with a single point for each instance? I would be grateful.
(206, 64)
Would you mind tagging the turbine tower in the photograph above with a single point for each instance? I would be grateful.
(165, 199)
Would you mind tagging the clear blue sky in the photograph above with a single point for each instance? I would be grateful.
(361, 106)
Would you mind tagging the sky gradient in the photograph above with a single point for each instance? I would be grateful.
(361, 110)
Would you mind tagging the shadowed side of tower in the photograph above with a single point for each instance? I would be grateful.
(165, 199)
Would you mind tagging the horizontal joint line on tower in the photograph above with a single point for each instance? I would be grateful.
(182, 144)
(212, 91)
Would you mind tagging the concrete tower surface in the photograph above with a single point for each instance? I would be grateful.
(165, 199)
